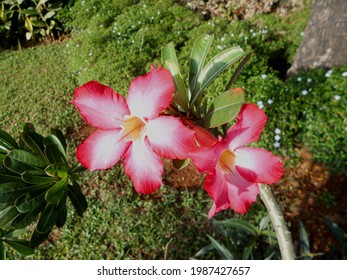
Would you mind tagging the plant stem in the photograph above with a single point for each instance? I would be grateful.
(284, 236)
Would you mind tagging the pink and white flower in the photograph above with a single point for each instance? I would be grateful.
(133, 128)
(234, 171)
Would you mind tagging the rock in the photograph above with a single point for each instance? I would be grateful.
(325, 37)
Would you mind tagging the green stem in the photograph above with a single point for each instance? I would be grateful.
(284, 236)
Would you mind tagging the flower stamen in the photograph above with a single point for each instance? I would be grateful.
(133, 128)
(227, 161)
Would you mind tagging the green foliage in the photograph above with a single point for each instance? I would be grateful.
(36, 180)
(29, 19)
(240, 239)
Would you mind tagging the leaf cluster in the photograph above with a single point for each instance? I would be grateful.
(35, 182)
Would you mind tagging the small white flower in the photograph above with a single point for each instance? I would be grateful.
(232, 35)
(277, 131)
(264, 76)
(277, 145)
(302, 33)
(152, 18)
(90, 54)
(222, 39)
(270, 101)
(309, 80)
(260, 104)
(337, 97)
(246, 38)
(299, 79)
(344, 74)
(329, 73)
(219, 47)
(304, 92)
(67, 45)
(277, 138)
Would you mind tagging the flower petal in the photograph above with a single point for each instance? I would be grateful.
(215, 184)
(150, 94)
(258, 165)
(169, 137)
(204, 158)
(102, 149)
(249, 125)
(99, 105)
(143, 166)
(241, 192)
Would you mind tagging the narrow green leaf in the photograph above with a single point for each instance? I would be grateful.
(11, 190)
(8, 138)
(29, 201)
(35, 142)
(180, 163)
(20, 161)
(5, 147)
(7, 215)
(37, 238)
(304, 241)
(28, 25)
(180, 96)
(77, 198)
(224, 108)
(221, 249)
(55, 150)
(5, 178)
(21, 246)
(47, 219)
(77, 167)
(240, 225)
(59, 134)
(37, 177)
(204, 251)
(57, 170)
(30, 12)
(57, 191)
(197, 59)
(25, 219)
(214, 67)
(339, 234)
(169, 53)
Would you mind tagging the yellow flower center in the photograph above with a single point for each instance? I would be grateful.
(227, 161)
(133, 128)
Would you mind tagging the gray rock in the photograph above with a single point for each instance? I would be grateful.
(325, 38)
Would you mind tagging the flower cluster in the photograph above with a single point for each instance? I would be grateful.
(140, 130)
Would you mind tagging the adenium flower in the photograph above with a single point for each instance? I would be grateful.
(133, 128)
(234, 171)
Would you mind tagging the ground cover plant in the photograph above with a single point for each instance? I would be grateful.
(115, 41)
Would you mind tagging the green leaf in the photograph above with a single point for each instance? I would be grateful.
(221, 249)
(35, 142)
(37, 177)
(47, 219)
(29, 201)
(25, 219)
(77, 198)
(224, 108)
(339, 235)
(304, 241)
(55, 150)
(38, 23)
(5, 178)
(77, 167)
(37, 238)
(240, 225)
(180, 163)
(169, 53)
(59, 134)
(8, 138)
(214, 67)
(20, 161)
(57, 191)
(57, 170)
(28, 25)
(30, 12)
(7, 215)
(180, 96)
(49, 15)
(204, 251)
(197, 59)
(21, 246)
(11, 190)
